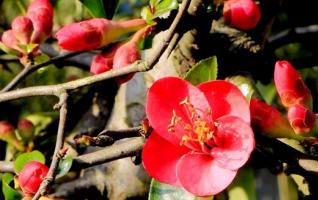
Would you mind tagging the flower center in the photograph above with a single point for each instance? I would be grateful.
(198, 127)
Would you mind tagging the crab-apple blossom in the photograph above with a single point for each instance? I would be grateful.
(269, 121)
(31, 176)
(242, 14)
(10, 43)
(301, 119)
(95, 33)
(290, 86)
(201, 135)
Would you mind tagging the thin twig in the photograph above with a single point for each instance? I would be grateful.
(127, 148)
(58, 146)
(29, 69)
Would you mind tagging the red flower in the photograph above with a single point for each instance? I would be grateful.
(268, 120)
(290, 86)
(95, 33)
(301, 119)
(31, 176)
(201, 134)
(242, 14)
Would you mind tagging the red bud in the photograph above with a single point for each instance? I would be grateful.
(94, 33)
(301, 119)
(22, 28)
(7, 134)
(270, 121)
(41, 14)
(26, 129)
(31, 176)
(242, 14)
(290, 86)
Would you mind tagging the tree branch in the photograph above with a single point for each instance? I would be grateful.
(29, 69)
(58, 146)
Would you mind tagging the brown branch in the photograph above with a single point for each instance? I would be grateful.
(124, 149)
(58, 146)
(29, 69)
(6, 167)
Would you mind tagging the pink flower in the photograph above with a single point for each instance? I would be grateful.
(31, 176)
(95, 33)
(201, 136)
(242, 14)
(290, 86)
(301, 119)
(269, 121)
(10, 42)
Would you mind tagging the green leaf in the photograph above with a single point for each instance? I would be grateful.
(243, 186)
(157, 8)
(8, 191)
(96, 7)
(246, 86)
(204, 70)
(24, 158)
(64, 166)
(110, 7)
(161, 191)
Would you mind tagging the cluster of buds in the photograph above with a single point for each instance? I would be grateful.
(30, 30)
(295, 97)
(241, 14)
(120, 55)
(24, 131)
(31, 177)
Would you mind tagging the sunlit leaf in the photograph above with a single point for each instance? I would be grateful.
(96, 7)
(24, 158)
(9, 192)
(161, 191)
(64, 166)
(204, 70)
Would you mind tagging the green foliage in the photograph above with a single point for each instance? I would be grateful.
(101, 8)
(9, 192)
(158, 8)
(160, 191)
(65, 165)
(24, 158)
(243, 186)
(204, 70)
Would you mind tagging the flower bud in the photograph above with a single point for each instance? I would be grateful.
(290, 86)
(22, 29)
(242, 14)
(269, 121)
(10, 41)
(31, 176)
(128, 53)
(6, 131)
(26, 130)
(301, 119)
(41, 14)
(7, 134)
(104, 61)
(95, 33)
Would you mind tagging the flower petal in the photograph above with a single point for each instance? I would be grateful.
(226, 99)
(201, 175)
(160, 158)
(164, 97)
(235, 142)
